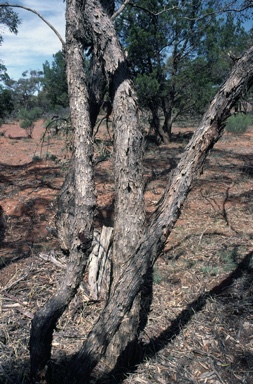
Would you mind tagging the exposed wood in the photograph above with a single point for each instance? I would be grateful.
(50, 257)
(100, 264)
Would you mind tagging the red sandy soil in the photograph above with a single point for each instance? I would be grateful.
(212, 236)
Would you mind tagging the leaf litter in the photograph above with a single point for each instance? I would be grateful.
(200, 325)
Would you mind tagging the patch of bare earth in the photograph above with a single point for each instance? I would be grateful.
(200, 325)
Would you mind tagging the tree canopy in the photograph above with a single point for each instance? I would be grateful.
(178, 56)
(55, 81)
(9, 19)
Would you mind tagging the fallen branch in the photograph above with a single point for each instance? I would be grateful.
(18, 304)
(52, 259)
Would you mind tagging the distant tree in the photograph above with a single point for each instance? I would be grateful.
(178, 56)
(9, 19)
(6, 103)
(25, 90)
(6, 97)
(55, 81)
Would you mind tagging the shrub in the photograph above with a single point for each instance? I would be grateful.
(36, 158)
(28, 118)
(238, 124)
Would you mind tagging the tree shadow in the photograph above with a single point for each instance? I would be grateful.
(149, 350)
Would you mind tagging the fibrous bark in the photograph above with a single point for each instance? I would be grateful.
(100, 264)
(135, 248)
(152, 242)
(81, 200)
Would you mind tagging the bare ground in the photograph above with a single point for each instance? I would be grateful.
(200, 326)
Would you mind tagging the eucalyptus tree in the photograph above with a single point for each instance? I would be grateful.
(6, 103)
(6, 100)
(24, 92)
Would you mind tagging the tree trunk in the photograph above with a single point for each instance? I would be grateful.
(161, 223)
(135, 248)
(129, 201)
(167, 111)
(161, 135)
(80, 203)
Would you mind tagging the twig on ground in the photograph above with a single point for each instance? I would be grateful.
(50, 257)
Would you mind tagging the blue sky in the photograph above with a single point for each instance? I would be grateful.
(35, 42)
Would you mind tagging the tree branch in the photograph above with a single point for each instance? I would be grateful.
(123, 6)
(39, 15)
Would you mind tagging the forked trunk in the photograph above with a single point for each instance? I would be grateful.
(161, 223)
(135, 247)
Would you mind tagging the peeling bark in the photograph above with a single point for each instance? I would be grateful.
(100, 264)
(81, 201)
(151, 244)
(135, 247)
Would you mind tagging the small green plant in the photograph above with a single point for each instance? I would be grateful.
(51, 156)
(36, 158)
(157, 276)
(238, 124)
(210, 270)
(230, 259)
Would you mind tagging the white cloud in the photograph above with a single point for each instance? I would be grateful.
(35, 42)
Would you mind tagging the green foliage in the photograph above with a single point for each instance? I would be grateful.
(6, 102)
(157, 276)
(228, 258)
(51, 156)
(10, 19)
(148, 88)
(28, 118)
(238, 124)
(25, 90)
(210, 270)
(179, 58)
(36, 158)
(55, 81)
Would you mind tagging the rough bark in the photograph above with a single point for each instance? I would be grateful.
(134, 249)
(96, 83)
(129, 202)
(80, 227)
(130, 283)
